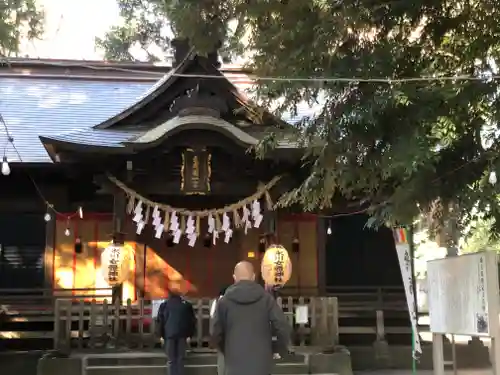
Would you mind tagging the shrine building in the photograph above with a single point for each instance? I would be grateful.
(158, 157)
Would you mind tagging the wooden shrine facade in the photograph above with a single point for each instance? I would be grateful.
(182, 149)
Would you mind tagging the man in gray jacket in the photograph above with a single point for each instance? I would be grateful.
(246, 319)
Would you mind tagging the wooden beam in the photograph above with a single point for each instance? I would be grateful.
(173, 188)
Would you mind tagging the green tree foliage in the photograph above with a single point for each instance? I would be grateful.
(19, 19)
(145, 25)
(478, 237)
(404, 147)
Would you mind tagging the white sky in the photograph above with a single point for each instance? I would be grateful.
(71, 27)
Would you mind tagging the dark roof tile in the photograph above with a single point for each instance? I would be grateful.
(66, 109)
(33, 107)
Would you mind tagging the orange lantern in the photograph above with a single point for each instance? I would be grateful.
(276, 267)
(115, 264)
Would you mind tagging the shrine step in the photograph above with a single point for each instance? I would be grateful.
(211, 359)
(195, 364)
(154, 363)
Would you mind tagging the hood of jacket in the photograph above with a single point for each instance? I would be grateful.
(245, 292)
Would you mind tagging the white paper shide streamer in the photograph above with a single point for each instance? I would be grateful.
(256, 214)
(157, 224)
(139, 218)
(211, 224)
(170, 221)
(226, 228)
(245, 219)
(246, 213)
(191, 231)
(175, 227)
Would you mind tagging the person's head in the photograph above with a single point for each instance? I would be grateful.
(244, 271)
(173, 293)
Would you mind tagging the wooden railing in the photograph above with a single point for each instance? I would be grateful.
(24, 311)
(364, 314)
(373, 295)
(93, 325)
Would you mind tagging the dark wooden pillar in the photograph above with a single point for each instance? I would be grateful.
(119, 216)
(268, 237)
(57, 197)
(50, 248)
(321, 255)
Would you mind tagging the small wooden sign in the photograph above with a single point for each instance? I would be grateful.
(196, 172)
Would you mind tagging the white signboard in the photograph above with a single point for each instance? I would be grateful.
(301, 314)
(463, 294)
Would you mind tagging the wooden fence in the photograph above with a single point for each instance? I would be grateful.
(24, 311)
(93, 325)
(364, 315)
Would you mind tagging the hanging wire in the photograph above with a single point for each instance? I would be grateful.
(325, 79)
(49, 206)
(10, 139)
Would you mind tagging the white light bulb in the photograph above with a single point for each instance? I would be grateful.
(493, 178)
(47, 217)
(67, 232)
(329, 230)
(5, 167)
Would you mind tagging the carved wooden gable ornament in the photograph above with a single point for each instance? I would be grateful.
(196, 171)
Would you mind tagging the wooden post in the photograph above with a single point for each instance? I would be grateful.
(141, 323)
(93, 323)
(128, 328)
(49, 256)
(199, 322)
(321, 242)
(57, 324)
(81, 311)
(322, 328)
(116, 319)
(119, 212)
(69, 314)
(269, 223)
(380, 328)
(105, 318)
(335, 320)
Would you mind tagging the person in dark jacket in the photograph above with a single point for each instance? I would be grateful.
(177, 319)
(221, 369)
(245, 321)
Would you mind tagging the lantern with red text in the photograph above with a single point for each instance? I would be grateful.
(276, 266)
(115, 264)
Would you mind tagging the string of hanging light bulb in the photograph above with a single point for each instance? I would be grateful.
(492, 179)
(5, 170)
(10, 141)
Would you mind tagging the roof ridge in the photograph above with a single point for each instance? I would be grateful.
(76, 63)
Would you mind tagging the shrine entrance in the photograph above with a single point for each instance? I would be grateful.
(206, 266)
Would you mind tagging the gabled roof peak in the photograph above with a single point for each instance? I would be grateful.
(185, 58)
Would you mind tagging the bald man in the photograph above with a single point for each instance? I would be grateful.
(245, 321)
